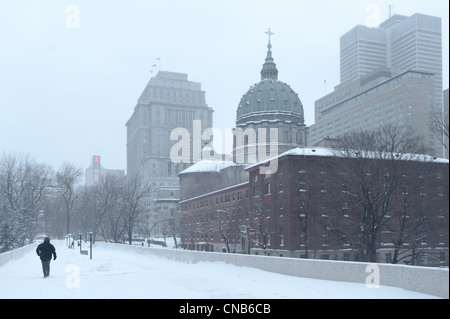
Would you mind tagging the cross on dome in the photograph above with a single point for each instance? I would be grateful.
(270, 33)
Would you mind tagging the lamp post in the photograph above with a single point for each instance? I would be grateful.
(90, 241)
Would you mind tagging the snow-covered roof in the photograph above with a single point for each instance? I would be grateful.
(205, 166)
(328, 152)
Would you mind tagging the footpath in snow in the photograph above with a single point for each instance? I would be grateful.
(121, 274)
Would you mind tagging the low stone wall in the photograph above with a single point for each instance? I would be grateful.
(427, 280)
(15, 254)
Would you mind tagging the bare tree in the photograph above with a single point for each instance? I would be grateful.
(134, 191)
(220, 224)
(85, 208)
(22, 189)
(169, 226)
(67, 178)
(108, 208)
(438, 124)
(375, 162)
(260, 223)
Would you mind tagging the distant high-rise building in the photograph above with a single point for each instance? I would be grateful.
(379, 99)
(400, 43)
(169, 104)
(391, 74)
(95, 172)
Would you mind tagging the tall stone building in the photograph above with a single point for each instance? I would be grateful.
(168, 105)
(170, 111)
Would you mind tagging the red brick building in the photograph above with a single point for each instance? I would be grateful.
(313, 206)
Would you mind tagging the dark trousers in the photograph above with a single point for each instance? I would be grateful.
(46, 267)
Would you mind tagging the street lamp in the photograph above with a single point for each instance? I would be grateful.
(90, 241)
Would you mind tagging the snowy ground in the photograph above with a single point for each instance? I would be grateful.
(116, 274)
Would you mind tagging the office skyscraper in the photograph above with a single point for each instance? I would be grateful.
(391, 74)
(400, 43)
(168, 102)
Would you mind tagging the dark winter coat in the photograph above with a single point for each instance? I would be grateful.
(45, 251)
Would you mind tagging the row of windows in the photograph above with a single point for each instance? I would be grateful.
(377, 89)
(231, 197)
(179, 117)
(233, 236)
(171, 92)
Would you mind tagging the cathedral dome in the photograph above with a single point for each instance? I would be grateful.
(270, 99)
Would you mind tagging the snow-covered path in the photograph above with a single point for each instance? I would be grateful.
(117, 274)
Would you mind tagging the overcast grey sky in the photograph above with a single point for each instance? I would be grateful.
(71, 71)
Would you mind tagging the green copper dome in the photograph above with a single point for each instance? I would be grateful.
(270, 99)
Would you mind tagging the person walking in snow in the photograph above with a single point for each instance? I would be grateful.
(45, 251)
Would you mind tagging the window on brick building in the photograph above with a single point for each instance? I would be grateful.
(345, 238)
(267, 190)
(301, 168)
(324, 211)
(323, 187)
(256, 191)
(325, 236)
(281, 236)
(345, 209)
(302, 209)
(302, 186)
